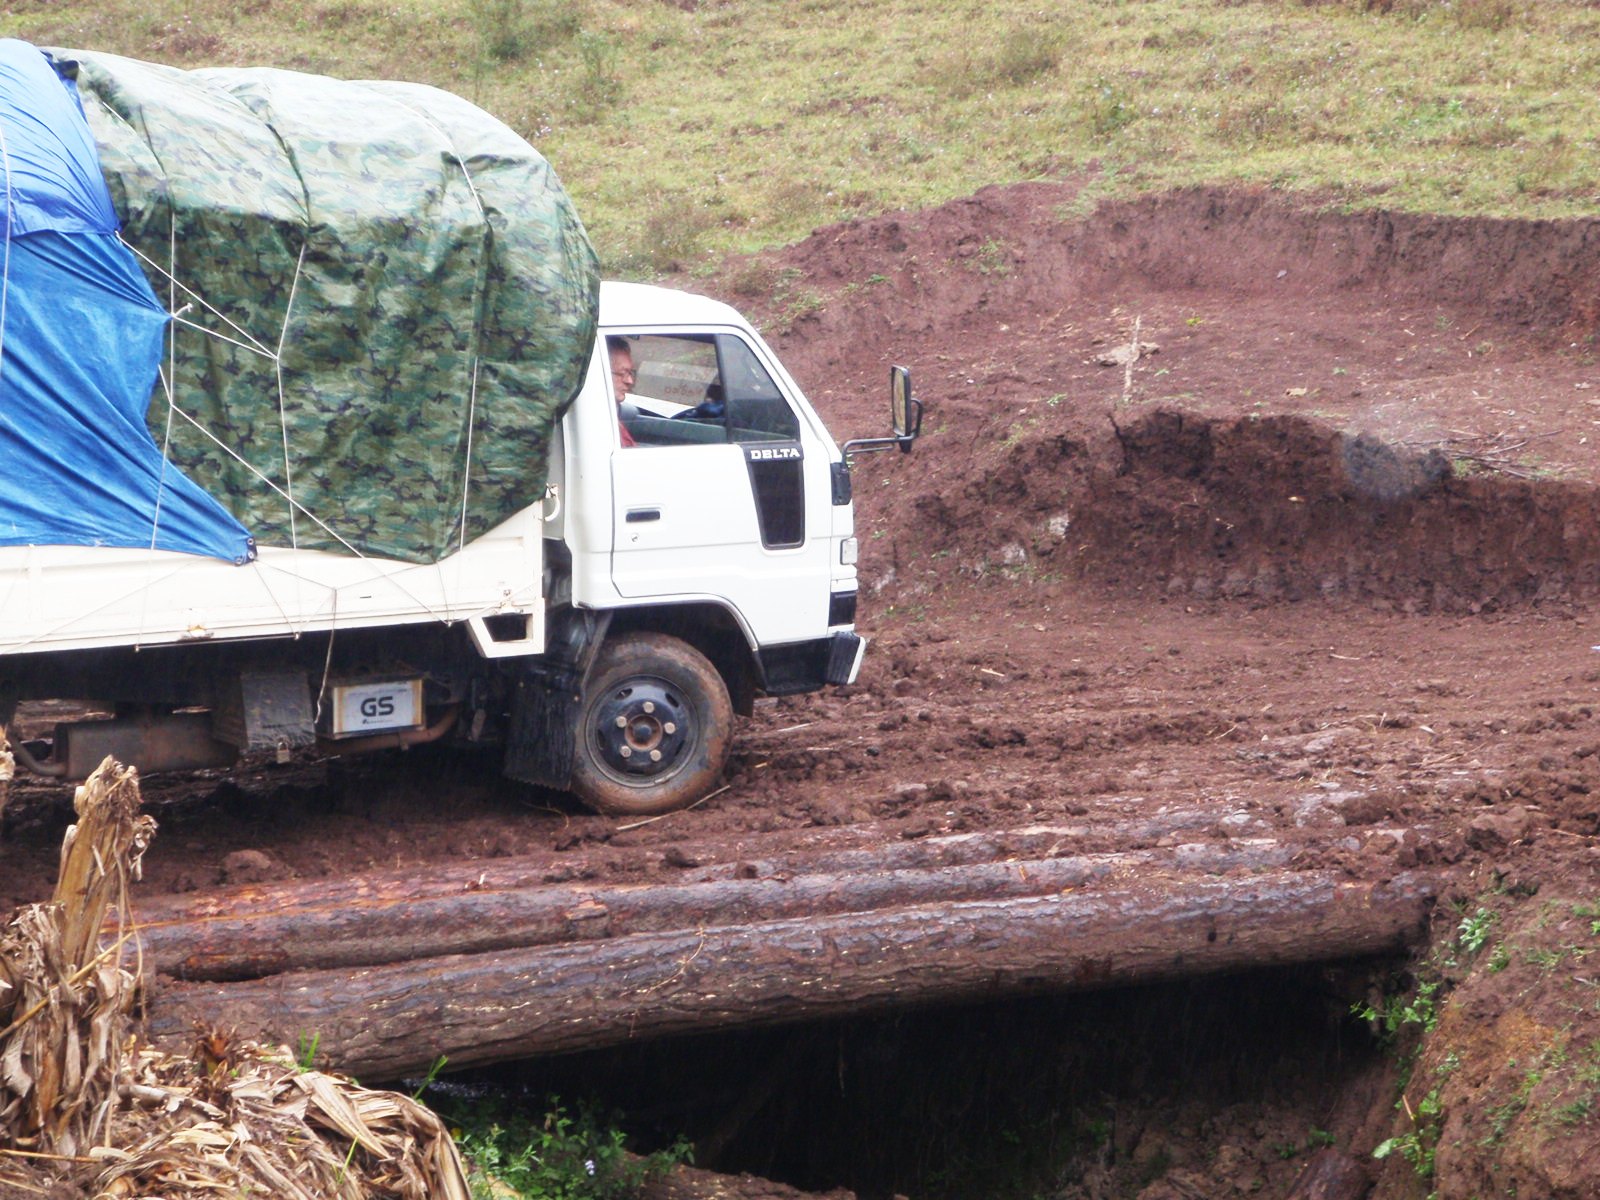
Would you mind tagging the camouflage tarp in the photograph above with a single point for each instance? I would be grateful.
(405, 297)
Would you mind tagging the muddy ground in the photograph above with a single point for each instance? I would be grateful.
(1321, 564)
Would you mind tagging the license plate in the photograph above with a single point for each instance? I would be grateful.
(375, 707)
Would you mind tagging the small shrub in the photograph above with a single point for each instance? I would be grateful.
(509, 30)
(501, 27)
(1491, 15)
(671, 236)
(795, 199)
(1022, 56)
(599, 73)
(753, 278)
(554, 21)
(1107, 107)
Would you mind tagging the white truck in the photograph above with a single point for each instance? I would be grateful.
(605, 635)
(340, 462)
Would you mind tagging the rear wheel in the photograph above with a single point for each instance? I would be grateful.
(654, 727)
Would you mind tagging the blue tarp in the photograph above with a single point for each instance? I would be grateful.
(81, 342)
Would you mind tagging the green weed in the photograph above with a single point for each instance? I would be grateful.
(1502, 1116)
(791, 300)
(1400, 1010)
(1417, 1144)
(1590, 913)
(559, 1156)
(1575, 1113)
(599, 86)
(1107, 108)
(1316, 1139)
(1473, 931)
(993, 257)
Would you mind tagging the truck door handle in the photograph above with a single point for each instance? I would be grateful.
(635, 515)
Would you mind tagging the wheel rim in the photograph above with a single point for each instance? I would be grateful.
(643, 730)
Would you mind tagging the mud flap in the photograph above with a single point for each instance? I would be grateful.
(541, 740)
(844, 658)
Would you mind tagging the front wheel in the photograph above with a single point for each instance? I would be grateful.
(654, 727)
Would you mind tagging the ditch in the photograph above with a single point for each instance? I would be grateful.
(1229, 1082)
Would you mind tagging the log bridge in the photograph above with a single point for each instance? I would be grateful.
(389, 972)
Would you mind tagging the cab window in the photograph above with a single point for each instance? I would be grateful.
(697, 388)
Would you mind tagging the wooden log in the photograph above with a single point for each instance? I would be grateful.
(1028, 842)
(501, 874)
(249, 933)
(385, 1022)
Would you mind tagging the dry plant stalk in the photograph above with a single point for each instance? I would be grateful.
(8, 768)
(86, 1110)
(66, 1004)
(1491, 453)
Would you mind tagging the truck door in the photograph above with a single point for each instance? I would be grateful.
(723, 493)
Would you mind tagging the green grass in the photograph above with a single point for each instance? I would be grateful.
(746, 123)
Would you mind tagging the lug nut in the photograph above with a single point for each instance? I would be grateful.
(655, 756)
(626, 752)
(669, 727)
(622, 722)
(649, 706)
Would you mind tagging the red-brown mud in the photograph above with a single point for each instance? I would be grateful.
(1321, 564)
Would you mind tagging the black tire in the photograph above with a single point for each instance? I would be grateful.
(654, 727)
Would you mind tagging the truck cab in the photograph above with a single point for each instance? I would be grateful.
(701, 500)
(728, 501)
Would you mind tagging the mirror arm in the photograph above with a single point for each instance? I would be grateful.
(868, 445)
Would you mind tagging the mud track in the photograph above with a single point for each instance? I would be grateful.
(1319, 566)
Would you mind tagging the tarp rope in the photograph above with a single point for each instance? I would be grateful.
(295, 507)
(172, 358)
(283, 413)
(472, 392)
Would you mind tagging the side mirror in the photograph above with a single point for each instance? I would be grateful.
(905, 411)
(905, 416)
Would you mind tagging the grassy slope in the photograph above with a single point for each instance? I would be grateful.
(735, 124)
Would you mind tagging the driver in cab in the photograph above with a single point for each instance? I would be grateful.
(623, 376)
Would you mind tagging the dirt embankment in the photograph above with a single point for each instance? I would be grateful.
(1317, 567)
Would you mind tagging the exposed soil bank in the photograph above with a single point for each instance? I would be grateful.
(1273, 508)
